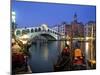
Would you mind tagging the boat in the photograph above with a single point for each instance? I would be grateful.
(78, 62)
(64, 61)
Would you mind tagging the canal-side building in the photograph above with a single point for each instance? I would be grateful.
(56, 28)
(68, 32)
(90, 27)
(77, 28)
(65, 30)
(62, 28)
(90, 35)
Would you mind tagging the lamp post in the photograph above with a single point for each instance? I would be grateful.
(92, 44)
(13, 22)
(92, 59)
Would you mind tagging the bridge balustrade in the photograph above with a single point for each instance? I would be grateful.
(32, 30)
(36, 31)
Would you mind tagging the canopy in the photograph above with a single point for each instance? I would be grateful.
(24, 37)
(16, 47)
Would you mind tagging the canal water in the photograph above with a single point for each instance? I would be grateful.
(44, 55)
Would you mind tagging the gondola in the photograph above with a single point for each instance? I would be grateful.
(64, 61)
(78, 62)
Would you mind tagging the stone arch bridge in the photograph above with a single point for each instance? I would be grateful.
(43, 30)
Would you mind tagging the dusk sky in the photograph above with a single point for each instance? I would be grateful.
(30, 14)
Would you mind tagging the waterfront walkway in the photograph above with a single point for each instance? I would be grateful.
(19, 59)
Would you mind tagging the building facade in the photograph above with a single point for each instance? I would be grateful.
(77, 28)
(90, 35)
(90, 27)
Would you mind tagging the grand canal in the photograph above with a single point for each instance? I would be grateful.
(44, 55)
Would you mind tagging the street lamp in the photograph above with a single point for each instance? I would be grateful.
(92, 44)
(13, 23)
(68, 41)
(13, 16)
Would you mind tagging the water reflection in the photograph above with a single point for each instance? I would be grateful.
(44, 55)
(87, 49)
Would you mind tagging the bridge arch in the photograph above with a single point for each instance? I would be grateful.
(45, 34)
(18, 32)
(39, 29)
(36, 29)
(23, 31)
(32, 30)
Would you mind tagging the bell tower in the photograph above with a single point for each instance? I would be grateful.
(75, 17)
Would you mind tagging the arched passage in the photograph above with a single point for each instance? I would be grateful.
(48, 36)
(32, 30)
(18, 32)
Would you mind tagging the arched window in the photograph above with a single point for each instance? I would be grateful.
(55, 33)
(48, 30)
(32, 30)
(18, 32)
(23, 31)
(27, 30)
(51, 31)
(36, 30)
(39, 29)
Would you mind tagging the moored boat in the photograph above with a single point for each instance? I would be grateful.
(64, 61)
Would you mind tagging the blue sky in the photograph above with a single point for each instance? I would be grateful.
(30, 14)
